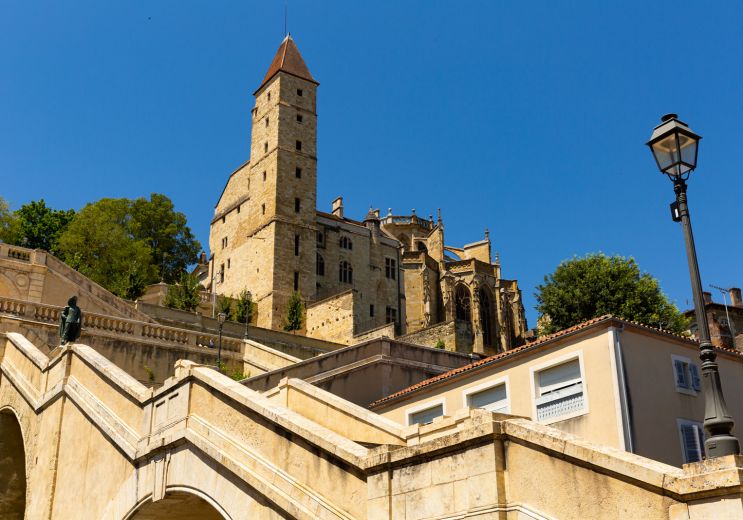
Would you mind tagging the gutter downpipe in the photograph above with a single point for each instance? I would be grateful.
(622, 382)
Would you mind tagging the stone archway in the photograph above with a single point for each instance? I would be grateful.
(12, 468)
(177, 504)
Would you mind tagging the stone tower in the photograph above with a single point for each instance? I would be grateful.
(270, 246)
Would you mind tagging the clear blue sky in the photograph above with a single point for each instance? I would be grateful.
(528, 118)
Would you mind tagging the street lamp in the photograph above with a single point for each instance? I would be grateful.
(249, 297)
(675, 147)
(221, 317)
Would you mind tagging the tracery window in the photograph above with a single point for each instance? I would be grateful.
(462, 303)
(345, 273)
(320, 269)
(485, 316)
(346, 243)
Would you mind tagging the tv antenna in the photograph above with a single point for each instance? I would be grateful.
(731, 326)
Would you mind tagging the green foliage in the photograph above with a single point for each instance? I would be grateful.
(97, 243)
(594, 285)
(440, 344)
(165, 232)
(236, 374)
(33, 225)
(225, 306)
(184, 295)
(9, 225)
(244, 307)
(119, 243)
(150, 373)
(294, 312)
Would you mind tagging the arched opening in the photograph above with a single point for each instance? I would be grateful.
(12, 468)
(421, 246)
(486, 319)
(462, 302)
(178, 504)
(345, 273)
(320, 266)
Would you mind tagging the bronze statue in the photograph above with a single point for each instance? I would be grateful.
(69, 321)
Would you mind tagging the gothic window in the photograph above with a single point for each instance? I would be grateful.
(486, 321)
(321, 238)
(390, 268)
(422, 247)
(346, 243)
(345, 273)
(320, 269)
(462, 302)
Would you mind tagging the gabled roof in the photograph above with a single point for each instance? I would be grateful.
(607, 319)
(289, 60)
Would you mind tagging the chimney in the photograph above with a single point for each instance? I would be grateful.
(338, 207)
(735, 299)
(707, 297)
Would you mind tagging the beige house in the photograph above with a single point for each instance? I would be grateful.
(608, 380)
(383, 275)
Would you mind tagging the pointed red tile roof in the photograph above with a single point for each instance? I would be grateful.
(289, 60)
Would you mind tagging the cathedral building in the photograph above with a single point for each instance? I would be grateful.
(386, 275)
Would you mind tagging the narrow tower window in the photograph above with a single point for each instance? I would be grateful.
(296, 205)
(265, 147)
(268, 96)
(296, 245)
(298, 173)
(266, 121)
(299, 118)
(296, 281)
(299, 145)
(299, 92)
(263, 209)
(264, 176)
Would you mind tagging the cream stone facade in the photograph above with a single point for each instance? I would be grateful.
(82, 439)
(610, 381)
(268, 236)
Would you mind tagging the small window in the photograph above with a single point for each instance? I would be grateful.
(371, 310)
(224, 242)
(691, 436)
(265, 147)
(390, 268)
(321, 238)
(221, 273)
(426, 416)
(299, 146)
(494, 399)
(267, 119)
(559, 391)
(390, 315)
(268, 96)
(296, 281)
(296, 205)
(346, 243)
(228, 263)
(296, 245)
(686, 375)
(238, 208)
(299, 92)
(299, 118)
(320, 266)
(224, 219)
(263, 209)
(298, 172)
(345, 272)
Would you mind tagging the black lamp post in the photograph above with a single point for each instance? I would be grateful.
(675, 147)
(249, 297)
(221, 317)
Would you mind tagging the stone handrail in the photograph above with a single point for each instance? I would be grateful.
(121, 327)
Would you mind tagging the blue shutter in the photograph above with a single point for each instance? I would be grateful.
(681, 381)
(696, 383)
(691, 443)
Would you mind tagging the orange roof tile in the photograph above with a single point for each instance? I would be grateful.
(289, 60)
(528, 346)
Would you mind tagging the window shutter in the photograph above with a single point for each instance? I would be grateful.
(494, 397)
(426, 416)
(696, 382)
(558, 377)
(681, 381)
(690, 438)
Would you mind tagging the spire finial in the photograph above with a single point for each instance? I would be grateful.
(487, 234)
(439, 215)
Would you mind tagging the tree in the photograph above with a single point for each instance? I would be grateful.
(594, 285)
(40, 227)
(97, 243)
(244, 307)
(184, 295)
(294, 312)
(225, 306)
(165, 231)
(120, 243)
(8, 224)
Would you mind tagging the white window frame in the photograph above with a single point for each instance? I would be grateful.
(487, 386)
(700, 439)
(534, 378)
(422, 407)
(692, 373)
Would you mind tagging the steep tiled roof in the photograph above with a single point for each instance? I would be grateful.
(289, 60)
(457, 372)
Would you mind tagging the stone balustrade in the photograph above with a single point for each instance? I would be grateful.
(121, 327)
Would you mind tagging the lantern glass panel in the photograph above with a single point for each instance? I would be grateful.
(688, 147)
(666, 153)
